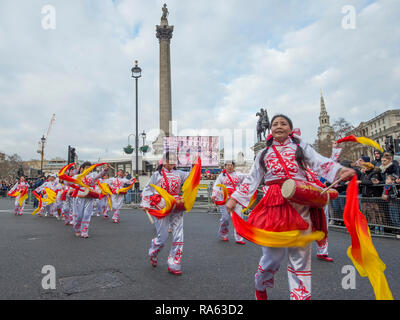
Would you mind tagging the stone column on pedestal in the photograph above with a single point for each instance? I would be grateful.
(164, 35)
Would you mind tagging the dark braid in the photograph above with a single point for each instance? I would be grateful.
(300, 157)
(264, 152)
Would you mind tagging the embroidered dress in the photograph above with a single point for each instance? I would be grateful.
(274, 213)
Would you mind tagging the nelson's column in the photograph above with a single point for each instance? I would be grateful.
(164, 35)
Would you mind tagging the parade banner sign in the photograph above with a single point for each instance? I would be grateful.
(188, 148)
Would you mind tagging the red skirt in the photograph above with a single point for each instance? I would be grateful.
(275, 213)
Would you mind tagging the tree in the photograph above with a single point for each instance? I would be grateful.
(342, 128)
(10, 166)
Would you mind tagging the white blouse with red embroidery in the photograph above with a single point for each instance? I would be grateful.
(319, 164)
(176, 179)
(19, 186)
(117, 183)
(237, 179)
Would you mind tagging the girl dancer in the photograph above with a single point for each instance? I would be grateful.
(167, 177)
(322, 246)
(231, 180)
(55, 186)
(117, 199)
(20, 192)
(285, 157)
(83, 206)
(102, 204)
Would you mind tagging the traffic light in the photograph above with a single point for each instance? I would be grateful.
(71, 154)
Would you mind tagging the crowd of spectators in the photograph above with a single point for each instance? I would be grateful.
(379, 192)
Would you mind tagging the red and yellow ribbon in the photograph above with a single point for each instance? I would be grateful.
(284, 239)
(362, 251)
(125, 190)
(225, 194)
(51, 196)
(23, 196)
(170, 202)
(79, 178)
(39, 198)
(106, 191)
(362, 140)
(251, 202)
(191, 186)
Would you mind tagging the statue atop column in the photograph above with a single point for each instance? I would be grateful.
(262, 124)
(165, 12)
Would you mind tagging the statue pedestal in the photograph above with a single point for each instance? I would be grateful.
(158, 146)
(258, 146)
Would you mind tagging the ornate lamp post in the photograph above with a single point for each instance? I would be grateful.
(136, 74)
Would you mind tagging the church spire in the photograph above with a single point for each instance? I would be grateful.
(325, 130)
(323, 108)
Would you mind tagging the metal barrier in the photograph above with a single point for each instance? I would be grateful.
(383, 217)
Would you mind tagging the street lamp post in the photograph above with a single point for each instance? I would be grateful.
(136, 73)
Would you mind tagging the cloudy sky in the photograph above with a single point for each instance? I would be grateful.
(229, 59)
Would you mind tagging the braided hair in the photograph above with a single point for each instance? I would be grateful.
(300, 157)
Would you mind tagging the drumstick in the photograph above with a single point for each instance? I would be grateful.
(333, 184)
(150, 218)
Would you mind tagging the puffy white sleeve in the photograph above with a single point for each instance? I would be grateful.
(13, 188)
(336, 154)
(148, 191)
(216, 191)
(250, 183)
(322, 166)
(97, 176)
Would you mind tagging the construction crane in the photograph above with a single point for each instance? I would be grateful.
(42, 143)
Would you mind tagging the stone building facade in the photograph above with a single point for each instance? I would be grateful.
(387, 124)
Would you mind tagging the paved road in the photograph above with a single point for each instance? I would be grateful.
(113, 263)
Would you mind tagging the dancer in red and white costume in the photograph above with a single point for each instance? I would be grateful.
(102, 204)
(52, 184)
(117, 199)
(285, 157)
(21, 187)
(83, 205)
(231, 179)
(167, 177)
(322, 246)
